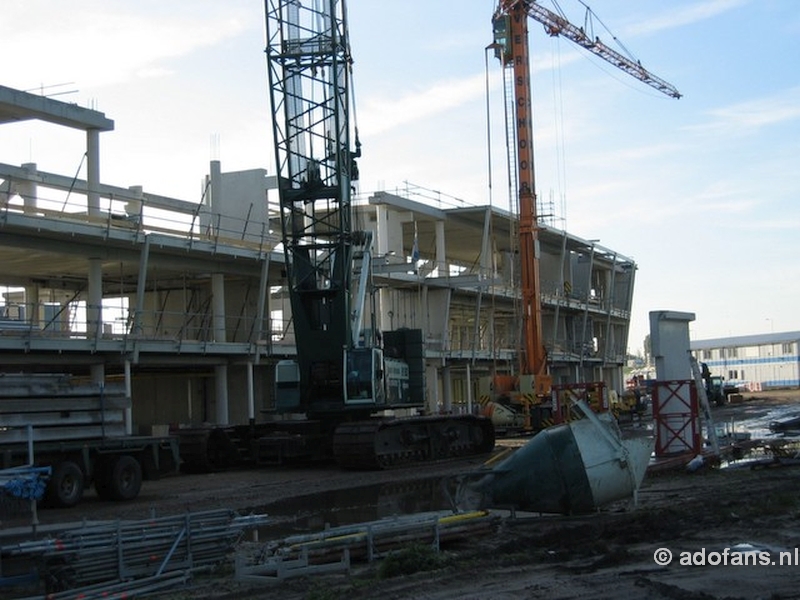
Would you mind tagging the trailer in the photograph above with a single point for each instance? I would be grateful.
(78, 429)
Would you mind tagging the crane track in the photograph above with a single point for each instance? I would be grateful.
(397, 442)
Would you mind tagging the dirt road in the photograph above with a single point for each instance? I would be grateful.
(709, 521)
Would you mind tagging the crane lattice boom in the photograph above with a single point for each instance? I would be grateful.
(555, 24)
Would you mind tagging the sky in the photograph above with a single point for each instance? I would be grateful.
(703, 193)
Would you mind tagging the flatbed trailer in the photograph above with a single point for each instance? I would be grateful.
(115, 466)
(78, 429)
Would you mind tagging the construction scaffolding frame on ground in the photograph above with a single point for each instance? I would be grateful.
(334, 549)
(132, 556)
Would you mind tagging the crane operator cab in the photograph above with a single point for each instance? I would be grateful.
(370, 380)
(373, 378)
(364, 380)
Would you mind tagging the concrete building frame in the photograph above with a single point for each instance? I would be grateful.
(187, 302)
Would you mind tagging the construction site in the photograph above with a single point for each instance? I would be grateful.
(291, 331)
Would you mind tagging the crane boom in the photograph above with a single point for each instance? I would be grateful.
(309, 71)
(555, 24)
(347, 371)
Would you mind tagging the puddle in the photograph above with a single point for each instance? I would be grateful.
(757, 425)
(314, 512)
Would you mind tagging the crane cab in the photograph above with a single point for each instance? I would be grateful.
(364, 377)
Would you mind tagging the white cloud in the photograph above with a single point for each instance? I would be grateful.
(682, 17)
(748, 116)
(103, 44)
(380, 114)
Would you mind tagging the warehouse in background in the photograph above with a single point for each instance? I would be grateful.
(753, 362)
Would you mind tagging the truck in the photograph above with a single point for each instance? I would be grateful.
(717, 390)
(77, 429)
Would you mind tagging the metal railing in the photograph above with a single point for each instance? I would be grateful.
(189, 221)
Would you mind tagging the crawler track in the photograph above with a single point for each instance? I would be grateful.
(389, 443)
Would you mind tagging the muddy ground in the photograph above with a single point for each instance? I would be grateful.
(752, 512)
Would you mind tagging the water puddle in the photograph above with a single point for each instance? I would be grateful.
(315, 512)
(756, 422)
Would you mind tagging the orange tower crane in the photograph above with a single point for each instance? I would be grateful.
(510, 25)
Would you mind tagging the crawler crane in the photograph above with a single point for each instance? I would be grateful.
(346, 369)
(510, 25)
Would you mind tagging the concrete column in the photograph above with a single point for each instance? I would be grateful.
(32, 305)
(94, 302)
(251, 397)
(469, 388)
(98, 373)
(129, 398)
(441, 259)
(218, 306)
(94, 312)
(447, 389)
(382, 230)
(28, 189)
(432, 386)
(189, 411)
(215, 193)
(221, 383)
(93, 171)
(141, 283)
(261, 327)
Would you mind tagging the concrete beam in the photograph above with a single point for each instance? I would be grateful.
(16, 105)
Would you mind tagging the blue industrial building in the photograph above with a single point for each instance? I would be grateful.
(753, 362)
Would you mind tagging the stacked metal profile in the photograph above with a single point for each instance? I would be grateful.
(333, 549)
(127, 556)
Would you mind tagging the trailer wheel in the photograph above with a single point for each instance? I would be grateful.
(65, 488)
(124, 478)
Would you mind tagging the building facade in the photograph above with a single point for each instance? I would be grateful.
(186, 301)
(753, 362)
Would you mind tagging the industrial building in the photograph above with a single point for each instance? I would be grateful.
(753, 362)
(186, 301)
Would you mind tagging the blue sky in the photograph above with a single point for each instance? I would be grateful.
(702, 192)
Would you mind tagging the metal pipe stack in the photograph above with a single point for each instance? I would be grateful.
(122, 554)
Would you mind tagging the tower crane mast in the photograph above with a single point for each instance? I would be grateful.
(512, 47)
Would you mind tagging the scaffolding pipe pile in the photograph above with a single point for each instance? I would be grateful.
(332, 549)
(123, 551)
